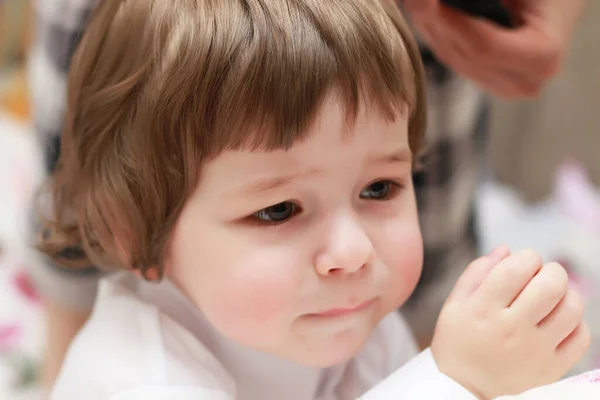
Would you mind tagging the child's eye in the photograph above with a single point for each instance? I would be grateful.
(380, 190)
(276, 214)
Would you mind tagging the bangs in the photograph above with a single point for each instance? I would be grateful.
(158, 87)
(245, 75)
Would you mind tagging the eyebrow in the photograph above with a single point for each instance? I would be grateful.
(401, 156)
(267, 184)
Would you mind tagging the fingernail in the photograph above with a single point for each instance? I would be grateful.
(499, 254)
(492, 252)
(499, 248)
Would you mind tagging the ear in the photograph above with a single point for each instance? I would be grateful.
(152, 273)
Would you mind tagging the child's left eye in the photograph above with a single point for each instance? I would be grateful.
(380, 190)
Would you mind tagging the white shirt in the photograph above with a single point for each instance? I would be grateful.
(147, 342)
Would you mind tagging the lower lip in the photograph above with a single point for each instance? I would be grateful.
(336, 313)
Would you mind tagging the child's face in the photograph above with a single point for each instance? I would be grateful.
(276, 247)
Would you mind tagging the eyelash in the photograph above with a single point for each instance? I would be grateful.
(394, 187)
(254, 219)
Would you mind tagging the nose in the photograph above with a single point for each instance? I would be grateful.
(347, 247)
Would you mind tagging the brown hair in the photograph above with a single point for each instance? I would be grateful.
(157, 87)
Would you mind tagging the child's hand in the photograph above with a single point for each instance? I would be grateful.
(510, 327)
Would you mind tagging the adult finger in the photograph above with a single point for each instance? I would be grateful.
(420, 6)
(487, 78)
(526, 48)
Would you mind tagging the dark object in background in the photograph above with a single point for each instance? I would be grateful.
(493, 10)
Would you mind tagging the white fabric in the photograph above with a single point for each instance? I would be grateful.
(418, 380)
(147, 342)
(565, 390)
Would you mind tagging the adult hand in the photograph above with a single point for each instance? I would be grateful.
(510, 63)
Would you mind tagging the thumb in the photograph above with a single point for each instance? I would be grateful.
(476, 273)
(419, 6)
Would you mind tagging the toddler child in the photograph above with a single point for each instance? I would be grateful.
(251, 160)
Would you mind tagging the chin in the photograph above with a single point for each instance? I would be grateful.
(339, 350)
(341, 356)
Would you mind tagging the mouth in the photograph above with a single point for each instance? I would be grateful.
(340, 312)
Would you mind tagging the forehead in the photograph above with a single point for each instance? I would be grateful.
(330, 142)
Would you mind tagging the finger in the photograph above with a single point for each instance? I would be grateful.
(501, 76)
(525, 48)
(499, 254)
(420, 6)
(513, 86)
(476, 273)
(543, 294)
(498, 80)
(538, 53)
(574, 347)
(527, 82)
(471, 278)
(508, 279)
(565, 318)
(505, 84)
(497, 83)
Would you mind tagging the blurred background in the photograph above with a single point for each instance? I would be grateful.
(21, 318)
(538, 189)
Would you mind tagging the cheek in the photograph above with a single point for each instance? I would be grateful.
(258, 289)
(248, 294)
(403, 254)
(409, 263)
(243, 289)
